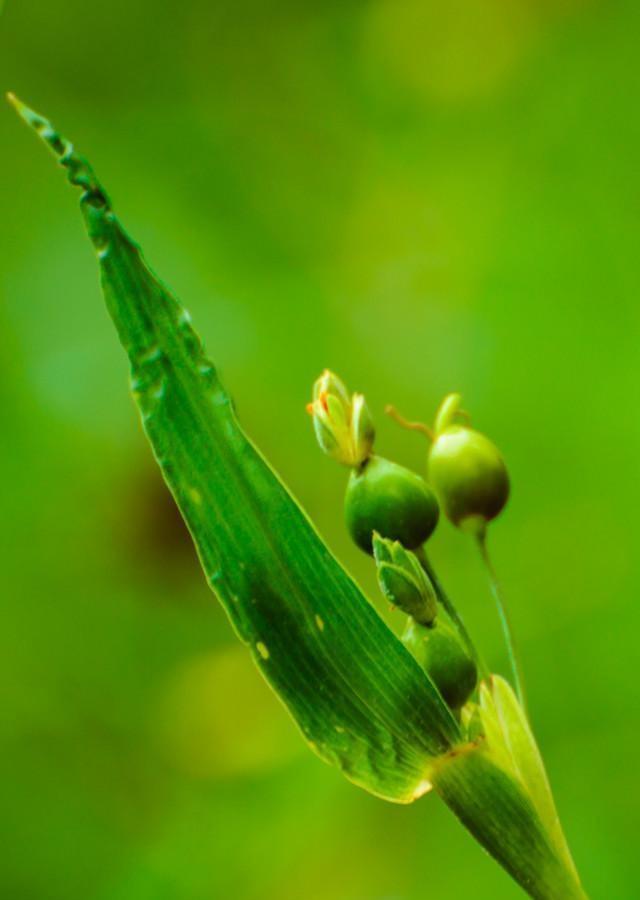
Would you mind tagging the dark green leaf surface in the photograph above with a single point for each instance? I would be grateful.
(358, 696)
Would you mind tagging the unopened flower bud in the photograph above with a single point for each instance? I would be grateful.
(466, 470)
(329, 383)
(343, 425)
(385, 497)
(403, 581)
(445, 660)
(362, 428)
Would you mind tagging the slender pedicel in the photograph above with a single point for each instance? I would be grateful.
(505, 621)
(451, 611)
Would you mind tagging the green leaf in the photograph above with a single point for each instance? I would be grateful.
(358, 696)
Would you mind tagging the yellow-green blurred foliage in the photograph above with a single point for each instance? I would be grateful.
(423, 196)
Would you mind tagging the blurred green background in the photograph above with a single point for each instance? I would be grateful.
(423, 196)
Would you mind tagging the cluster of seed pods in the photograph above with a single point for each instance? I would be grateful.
(391, 512)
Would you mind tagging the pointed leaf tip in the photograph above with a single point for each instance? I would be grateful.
(17, 104)
(28, 115)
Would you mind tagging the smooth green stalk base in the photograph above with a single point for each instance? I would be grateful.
(485, 798)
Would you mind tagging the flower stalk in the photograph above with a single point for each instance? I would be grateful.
(505, 620)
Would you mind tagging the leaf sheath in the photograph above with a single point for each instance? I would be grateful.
(500, 815)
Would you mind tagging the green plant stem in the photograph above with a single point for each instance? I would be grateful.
(507, 630)
(452, 612)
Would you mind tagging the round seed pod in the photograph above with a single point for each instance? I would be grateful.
(385, 497)
(439, 651)
(466, 470)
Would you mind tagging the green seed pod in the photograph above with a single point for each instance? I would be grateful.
(443, 657)
(466, 470)
(403, 581)
(385, 497)
(343, 425)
